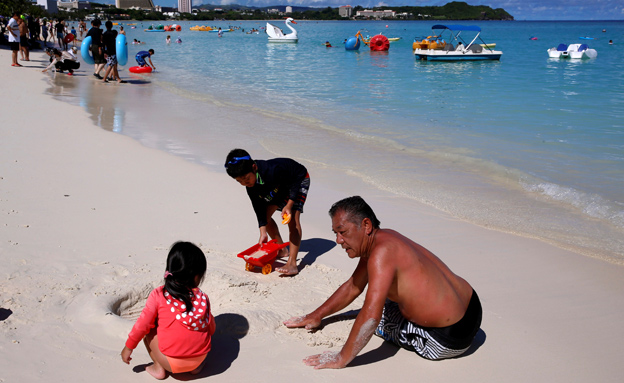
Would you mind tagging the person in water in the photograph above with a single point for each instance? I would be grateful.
(413, 299)
(142, 55)
(277, 184)
(328, 44)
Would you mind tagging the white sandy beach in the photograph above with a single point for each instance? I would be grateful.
(89, 215)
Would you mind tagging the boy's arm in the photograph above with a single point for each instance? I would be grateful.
(150, 60)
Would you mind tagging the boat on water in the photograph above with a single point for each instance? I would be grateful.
(203, 28)
(572, 51)
(276, 35)
(456, 48)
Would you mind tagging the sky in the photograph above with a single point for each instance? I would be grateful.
(519, 9)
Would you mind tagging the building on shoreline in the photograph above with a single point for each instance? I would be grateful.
(73, 4)
(49, 5)
(137, 4)
(184, 6)
(377, 15)
(345, 11)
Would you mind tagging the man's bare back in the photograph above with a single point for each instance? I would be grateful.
(427, 291)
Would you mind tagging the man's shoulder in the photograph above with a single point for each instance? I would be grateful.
(387, 242)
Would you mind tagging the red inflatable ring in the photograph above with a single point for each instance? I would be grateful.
(140, 69)
(379, 43)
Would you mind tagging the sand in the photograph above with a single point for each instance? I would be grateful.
(89, 215)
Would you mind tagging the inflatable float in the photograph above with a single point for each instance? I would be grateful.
(68, 38)
(121, 47)
(352, 44)
(85, 51)
(379, 43)
(140, 69)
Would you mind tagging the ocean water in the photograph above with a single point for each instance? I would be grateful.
(528, 145)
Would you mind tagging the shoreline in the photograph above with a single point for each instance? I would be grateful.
(468, 187)
(90, 216)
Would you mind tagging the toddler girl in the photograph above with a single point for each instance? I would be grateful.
(176, 324)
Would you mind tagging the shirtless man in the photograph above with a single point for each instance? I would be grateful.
(413, 299)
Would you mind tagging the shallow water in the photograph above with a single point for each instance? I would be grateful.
(528, 145)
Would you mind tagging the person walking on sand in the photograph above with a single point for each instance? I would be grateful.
(176, 324)
(14, 38)
(413, 299)
(96, 47)
(109, 42)
(277, 184)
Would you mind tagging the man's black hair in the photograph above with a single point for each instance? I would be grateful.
(238, 163)
(356, 209)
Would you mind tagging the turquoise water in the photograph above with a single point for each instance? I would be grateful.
(528, 145)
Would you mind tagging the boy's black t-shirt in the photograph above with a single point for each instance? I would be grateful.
(109, 39)
(96, 36)
(277, 180)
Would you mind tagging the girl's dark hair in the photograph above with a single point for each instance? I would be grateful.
(238, 163)
(185, 262)
(356, 209)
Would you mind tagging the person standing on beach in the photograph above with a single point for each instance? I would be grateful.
(14, 38)
(59, 28)
(109, 42)
(23, 39)
(96, 47)
(44, 32)
(277, 184)
(82, 27)
(413, 299)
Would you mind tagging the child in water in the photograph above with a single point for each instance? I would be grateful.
(176, 324)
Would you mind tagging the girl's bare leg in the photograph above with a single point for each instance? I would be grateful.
(161, 365)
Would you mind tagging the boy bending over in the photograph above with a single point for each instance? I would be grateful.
(277, 184)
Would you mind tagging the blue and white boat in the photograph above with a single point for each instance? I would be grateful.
(573, 51)
(456, 48)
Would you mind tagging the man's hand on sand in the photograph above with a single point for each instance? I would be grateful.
(328, 359)
(305, 321)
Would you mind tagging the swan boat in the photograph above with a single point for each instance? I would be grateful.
(572, 51)
(456, 49)
(276, 35)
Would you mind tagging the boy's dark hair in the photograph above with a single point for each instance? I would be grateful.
(238, 163)
(185, 262)
(151, 51)
(109, 25)
(356, 209)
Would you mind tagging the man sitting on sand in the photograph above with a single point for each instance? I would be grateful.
(277, 184)
(413, 299)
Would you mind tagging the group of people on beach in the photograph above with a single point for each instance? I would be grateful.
(25, 31)
(413, 299)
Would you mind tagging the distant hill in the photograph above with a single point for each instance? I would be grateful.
(456, 10)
